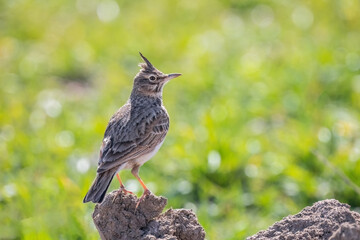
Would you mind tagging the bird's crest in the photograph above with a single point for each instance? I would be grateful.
(146, 66)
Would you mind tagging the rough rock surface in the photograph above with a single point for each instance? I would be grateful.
(328, 219)
(117, 218)
(347, 231)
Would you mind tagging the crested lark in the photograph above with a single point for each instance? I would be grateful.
(134, 133)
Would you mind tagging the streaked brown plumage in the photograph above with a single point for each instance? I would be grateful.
(134, 133)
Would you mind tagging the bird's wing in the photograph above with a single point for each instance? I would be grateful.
(132, 140)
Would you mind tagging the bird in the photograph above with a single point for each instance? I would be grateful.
(134, 133)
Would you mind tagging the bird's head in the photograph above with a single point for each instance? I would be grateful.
(150, 81)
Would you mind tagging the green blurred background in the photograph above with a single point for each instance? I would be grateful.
(264, 83)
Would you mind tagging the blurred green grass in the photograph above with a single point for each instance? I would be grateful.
(264, 83)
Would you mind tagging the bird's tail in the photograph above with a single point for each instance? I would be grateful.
(99, 187)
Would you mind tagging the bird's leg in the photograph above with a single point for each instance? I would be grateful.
(135, 172)
(122, 187)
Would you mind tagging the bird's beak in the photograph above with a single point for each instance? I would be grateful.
(171, 76)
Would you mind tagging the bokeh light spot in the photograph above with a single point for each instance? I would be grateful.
(82, 165)
(251, 170)
(324, 135)
(213, 209)
(10, 190)
(262, 15)
(233, 25)
(323, 189)
(214, 160)
(345, 128)
(247, 199)
(257, 125)
(291, 188)
(132, 185)
(190, 205)
(184, 187)
(65, 139)
(52, 107)
(37, 119)
(253, 146)
(302, 17)
(107, 11)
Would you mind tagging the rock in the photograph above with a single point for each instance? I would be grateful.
(328, 219)
(117, 218)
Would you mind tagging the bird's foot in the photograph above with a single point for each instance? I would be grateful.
(146, 193)
(122, 190)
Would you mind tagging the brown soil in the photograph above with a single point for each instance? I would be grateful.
(328, 219)
(116, 218)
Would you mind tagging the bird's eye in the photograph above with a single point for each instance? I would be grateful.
(152, 78)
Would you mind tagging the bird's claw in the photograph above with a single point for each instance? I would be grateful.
(120, 190)
(146, 193)
(127, 191)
